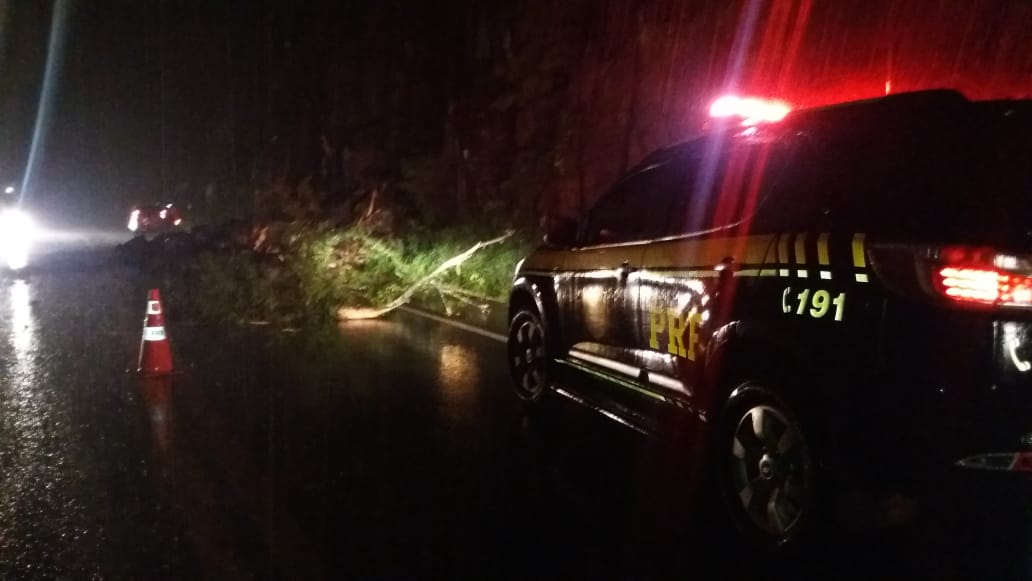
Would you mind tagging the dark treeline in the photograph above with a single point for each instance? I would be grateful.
(461, 109)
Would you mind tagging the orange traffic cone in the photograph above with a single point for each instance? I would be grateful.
(155, 352)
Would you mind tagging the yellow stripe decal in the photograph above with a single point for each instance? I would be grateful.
(757, 272)
(822, 249)
(707, 252)
(783, 255)
(858, 251)
(800, 249)
(584, 258)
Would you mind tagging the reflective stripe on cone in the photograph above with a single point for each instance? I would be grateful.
(155, 351)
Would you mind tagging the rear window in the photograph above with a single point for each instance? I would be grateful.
(967, 179)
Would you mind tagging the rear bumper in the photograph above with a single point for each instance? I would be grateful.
(962, 453)
(955, 390)
(978, 524)
(1018, 462)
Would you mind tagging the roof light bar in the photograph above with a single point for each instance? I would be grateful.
(751, 110)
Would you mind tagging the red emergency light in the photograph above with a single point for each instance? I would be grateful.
(751, 110)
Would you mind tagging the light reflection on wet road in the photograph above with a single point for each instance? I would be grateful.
(66, 461)
(41, 511)
(382, 449)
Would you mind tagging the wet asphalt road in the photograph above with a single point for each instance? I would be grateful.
(380, 449)
(388, 449)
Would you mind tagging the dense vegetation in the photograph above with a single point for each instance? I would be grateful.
(462, 110)
(304, 273)
(419, 119)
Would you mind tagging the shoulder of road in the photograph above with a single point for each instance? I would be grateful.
(483, 324)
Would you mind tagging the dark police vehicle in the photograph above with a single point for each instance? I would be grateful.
(823, 299)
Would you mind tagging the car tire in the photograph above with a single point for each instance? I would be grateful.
(528, 356)
(765, 470)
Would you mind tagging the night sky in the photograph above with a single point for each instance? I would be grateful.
(133, 93)
(99, 136)
(103, 147)
(155, 100)
(160, 99)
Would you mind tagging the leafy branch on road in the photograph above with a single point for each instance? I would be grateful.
(305, 272)
(351, 313)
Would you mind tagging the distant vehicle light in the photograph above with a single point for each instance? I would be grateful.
(16, 234)
(751, 110)
(9, 190)
(154, 218)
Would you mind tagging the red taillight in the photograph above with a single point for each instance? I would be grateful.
(984, 281)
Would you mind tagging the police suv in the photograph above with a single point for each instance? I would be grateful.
(823, 298)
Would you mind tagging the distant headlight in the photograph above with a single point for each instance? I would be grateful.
(16, 234)
(16, 224)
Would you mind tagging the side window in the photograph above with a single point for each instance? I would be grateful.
(797, 201)
(637, 208)
(607, 221)
(722, 186)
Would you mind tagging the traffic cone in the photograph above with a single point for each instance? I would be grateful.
(155, 352)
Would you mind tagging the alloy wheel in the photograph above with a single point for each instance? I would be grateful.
(527, 357)
(772, 470)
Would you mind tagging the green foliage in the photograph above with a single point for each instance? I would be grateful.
(317, 270)
(487, 273)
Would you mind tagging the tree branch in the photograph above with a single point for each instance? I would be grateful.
(351, 313)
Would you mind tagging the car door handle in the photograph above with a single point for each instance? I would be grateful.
(726, 270)
(726, 266)
(625, 270)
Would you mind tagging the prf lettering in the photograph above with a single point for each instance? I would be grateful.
(676, 325)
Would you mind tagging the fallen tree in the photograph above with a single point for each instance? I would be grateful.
(354, 313)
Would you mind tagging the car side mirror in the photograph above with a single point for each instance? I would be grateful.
(560, 231)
